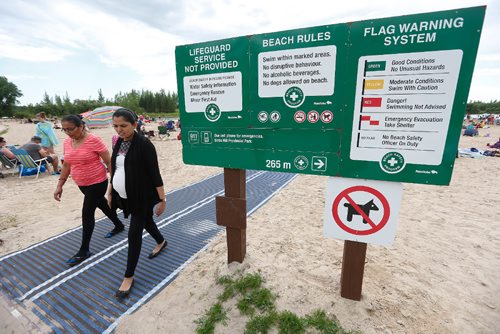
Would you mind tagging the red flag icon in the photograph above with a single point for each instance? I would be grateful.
(372, 102)
(368, 118)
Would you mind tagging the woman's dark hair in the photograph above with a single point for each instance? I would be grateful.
(75, 119)
(127, 114)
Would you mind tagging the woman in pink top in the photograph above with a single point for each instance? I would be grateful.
(84, 154)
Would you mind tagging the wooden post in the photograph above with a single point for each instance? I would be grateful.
(231, 212)
(353, 266)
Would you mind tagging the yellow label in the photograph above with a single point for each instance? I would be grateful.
(374, 84)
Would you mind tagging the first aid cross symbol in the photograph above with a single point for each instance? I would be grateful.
(294, 96)
(212, 112)
(392, 162)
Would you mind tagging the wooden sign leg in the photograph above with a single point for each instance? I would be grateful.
(231, 212)
(236, 244)
(353, 266)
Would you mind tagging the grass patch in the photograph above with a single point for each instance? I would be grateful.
(322, 323)
(261, 323)
(258, 304)
(289, 322)
(216, 314)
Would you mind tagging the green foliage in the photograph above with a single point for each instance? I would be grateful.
(141, 102)
(100, 97)
(224, 280)
(248, 282)
(261, 324)
(23, 114)
(290, 323)
(260, 298)
(322, 323)
(206, 324)
(8, 97)
(229, 290)
(159, 102)
(258, 303)
(478, 107)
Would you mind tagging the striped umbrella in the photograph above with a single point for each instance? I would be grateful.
(100, 117)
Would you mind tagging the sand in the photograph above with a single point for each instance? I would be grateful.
(440, 275)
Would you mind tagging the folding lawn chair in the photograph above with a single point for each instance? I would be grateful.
(26, 161)
(6, 162)
(7, 165)
(163, 132)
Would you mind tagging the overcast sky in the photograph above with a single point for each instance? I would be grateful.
(77, 47)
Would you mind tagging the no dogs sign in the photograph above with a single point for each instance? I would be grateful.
(362, 210)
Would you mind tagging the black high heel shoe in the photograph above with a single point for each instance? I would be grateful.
(121, 294)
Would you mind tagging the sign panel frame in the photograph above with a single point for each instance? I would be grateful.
(378, 99)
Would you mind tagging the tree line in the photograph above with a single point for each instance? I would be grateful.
(478, 107)
(141, 102)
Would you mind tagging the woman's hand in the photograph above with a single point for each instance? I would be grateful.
(160, 208)
(58, 193)
(109, 197)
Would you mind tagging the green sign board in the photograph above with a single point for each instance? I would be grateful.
(380, 99)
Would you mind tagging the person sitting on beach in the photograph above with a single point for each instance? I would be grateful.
(37, 152)
(496, 145)
(170, 125)
(471, 130)
(8, 153)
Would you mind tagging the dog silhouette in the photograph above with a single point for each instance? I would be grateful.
(366, 208)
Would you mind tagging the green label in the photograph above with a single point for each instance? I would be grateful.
(380, 99)
(375, 66)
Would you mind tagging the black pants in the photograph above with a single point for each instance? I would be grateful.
(94, 198)
(139, 222)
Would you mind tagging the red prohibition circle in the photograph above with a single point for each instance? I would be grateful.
(345, 194)
(299, 116)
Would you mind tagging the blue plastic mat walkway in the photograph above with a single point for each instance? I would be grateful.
(81, 299)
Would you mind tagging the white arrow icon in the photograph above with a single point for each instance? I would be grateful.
(319, 164)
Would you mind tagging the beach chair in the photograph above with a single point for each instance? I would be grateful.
(163, 132)
(7, 166)
(26, 161)
(6, 162)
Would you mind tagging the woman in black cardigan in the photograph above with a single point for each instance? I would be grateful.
(136, 187)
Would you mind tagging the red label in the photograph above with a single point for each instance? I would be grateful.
(372, 101)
